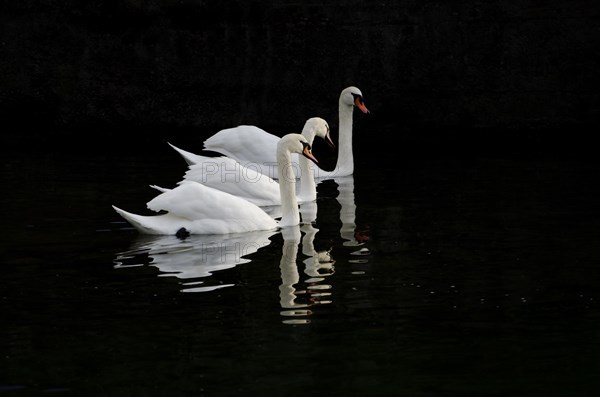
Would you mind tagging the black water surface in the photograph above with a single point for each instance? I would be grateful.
(452, 277)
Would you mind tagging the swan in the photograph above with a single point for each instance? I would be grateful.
(193, 208)
(249, 144)
(228, 175)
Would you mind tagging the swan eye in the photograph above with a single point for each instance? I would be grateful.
(359, 103)
(358, 99)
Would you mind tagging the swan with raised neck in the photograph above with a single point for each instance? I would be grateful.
(193, 208)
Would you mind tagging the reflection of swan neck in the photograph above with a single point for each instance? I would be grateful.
(288, 268)
(348, 210)
(287, 189)
(289, 276)
(308, 247)
(345, 160)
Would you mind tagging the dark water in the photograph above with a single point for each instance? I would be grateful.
(453, 277)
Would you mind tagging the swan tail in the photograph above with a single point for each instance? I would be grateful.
(189, 157)
(164, 224)
(160, 189)
(137, 221)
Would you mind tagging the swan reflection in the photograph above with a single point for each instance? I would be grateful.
(295, 298)
(314, 291)
(318, 264)
(348, 210)
(349, 232)
(289, 272)
(306, 266)
(194, 259)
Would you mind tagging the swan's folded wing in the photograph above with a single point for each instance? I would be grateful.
(189, 157)
(246, 143)
(228, 175)
(194, 201)
(220, 168)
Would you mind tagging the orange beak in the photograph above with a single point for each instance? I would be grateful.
(360, 104)
(329, 141)
(308, 154)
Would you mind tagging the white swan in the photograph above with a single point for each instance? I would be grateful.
(197, 209)
(251, 145)
(226, 174)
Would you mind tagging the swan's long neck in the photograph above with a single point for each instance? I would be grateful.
(287, 189)
(308, 187)
(345, 161)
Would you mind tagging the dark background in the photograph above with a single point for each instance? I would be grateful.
(489, 77)
(483, 273)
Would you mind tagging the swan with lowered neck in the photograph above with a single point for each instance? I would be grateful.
(246, 144)
(226, 174)
(197, 209)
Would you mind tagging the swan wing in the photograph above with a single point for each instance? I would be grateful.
(228, 175)
(246, 144)
(189, 157)
(159, 188)
(210, 210)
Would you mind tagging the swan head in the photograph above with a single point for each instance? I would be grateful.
(352, 96)
(296, 143)
(316, 126)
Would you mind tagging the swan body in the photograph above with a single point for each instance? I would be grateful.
(200, 209)
(251, 145)
(226, 174)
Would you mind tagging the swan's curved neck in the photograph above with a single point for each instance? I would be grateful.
(308, 187)
(287, 189)
(345, 161)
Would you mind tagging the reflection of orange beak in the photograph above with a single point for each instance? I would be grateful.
(306, 152)
(360, 104)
